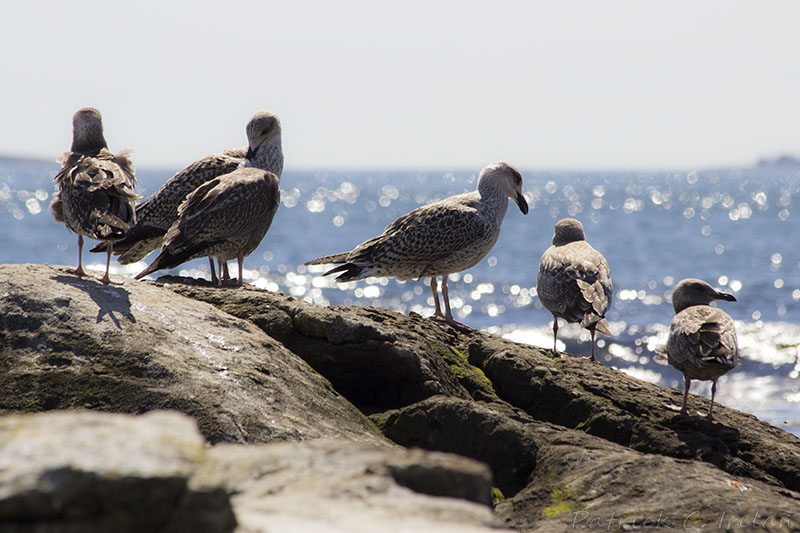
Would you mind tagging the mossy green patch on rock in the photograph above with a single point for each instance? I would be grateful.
(497, 496)
(470, 377)
(562, 500)
(693, 521)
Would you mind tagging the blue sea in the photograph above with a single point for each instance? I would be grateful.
(737, 229)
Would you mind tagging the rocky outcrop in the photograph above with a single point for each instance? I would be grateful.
(621, 409)
(353, 345)
(594, 407)
(565, 479)
(371, 358)
(89, 471)
(94, 472)
(571, 444)
(68, 342)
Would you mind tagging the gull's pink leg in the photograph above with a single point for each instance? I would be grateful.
(214, 279)
(713, 393)
(435, 291)
(687, 384)
(555, 333)
(79, 271)
(448, 317)
(105, 279)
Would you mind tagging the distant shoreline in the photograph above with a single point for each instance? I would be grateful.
(26, 160)
(785, 161)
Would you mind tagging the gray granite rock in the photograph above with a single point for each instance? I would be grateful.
(100, 472)
(97, 472)
(566, 480)
(570, 444)
(335, 486)
(70, 342)
(567, 390)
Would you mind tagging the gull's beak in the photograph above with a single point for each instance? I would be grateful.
(522, 203)
(250, 153)
(725, 296)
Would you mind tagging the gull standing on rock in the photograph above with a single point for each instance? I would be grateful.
(437, 239)
(225, 218)
(702, 339)
(157, 214)
(574, 281)
(95, 187)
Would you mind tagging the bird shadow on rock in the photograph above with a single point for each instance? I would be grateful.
(229, 284)
(713, 441)
(111, 300)
(696, 429)
(185, 280)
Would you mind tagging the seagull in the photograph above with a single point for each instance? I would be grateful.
(225, 218)
(95, 188)
(437, 239)
(702, 339)
(158, 213)
(574, 281)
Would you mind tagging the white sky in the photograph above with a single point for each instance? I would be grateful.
(412, 84)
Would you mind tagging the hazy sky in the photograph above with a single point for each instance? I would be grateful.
(412, 84)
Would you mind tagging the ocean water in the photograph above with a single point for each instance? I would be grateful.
(737, 229)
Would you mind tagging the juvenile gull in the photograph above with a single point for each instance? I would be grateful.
(225, 218)
(702, 339)
(95, 187)
(158, 213)
(574, 281)
(437, 239)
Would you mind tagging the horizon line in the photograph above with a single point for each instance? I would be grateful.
(771, 162)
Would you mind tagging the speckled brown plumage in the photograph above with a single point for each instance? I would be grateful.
(574, 281)
(225, 218)
(439, 238)
(95, 187)
(702, 339)
(159, 212)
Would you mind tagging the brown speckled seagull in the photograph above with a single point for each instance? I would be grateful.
(95, 187)
(157, 214)
(225, 218)
(702, 339)
(574, 281)
(437, 239)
